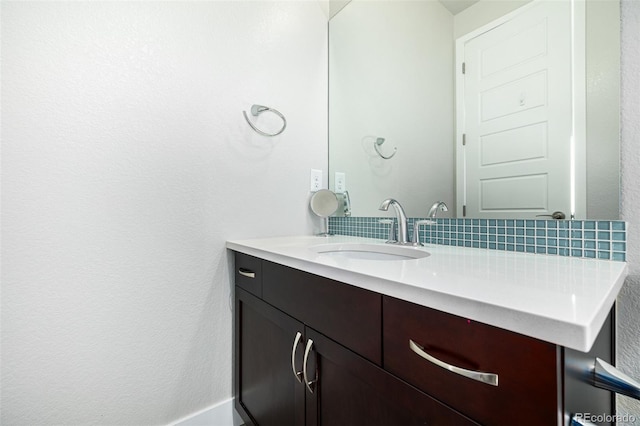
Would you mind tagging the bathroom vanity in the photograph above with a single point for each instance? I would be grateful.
(326, 334)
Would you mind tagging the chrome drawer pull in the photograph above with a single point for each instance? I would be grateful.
(293, 357)
(308, 382)
(488, 378)
(246, 273)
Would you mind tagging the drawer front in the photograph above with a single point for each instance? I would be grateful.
(248, 273)
(350, 315)
(527, 369)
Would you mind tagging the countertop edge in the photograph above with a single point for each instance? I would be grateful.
(571, 335)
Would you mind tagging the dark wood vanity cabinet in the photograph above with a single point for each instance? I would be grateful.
(341, 326)
(360, 368)
(344, 389)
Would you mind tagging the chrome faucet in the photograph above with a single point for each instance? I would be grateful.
(401, 217)
(415, 238)
(438, 205)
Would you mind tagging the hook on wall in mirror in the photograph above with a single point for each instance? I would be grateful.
(378, 143)
(259, 109)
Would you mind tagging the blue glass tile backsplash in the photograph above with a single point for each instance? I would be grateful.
(578, 238)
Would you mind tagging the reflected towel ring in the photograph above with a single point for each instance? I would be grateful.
(259, 109)
(376, 145)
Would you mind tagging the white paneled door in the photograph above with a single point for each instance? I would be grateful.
(517, 118)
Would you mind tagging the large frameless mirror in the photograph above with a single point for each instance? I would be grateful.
(501, 109)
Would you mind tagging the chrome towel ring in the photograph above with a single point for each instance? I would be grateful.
(376, 145)
(259, 109)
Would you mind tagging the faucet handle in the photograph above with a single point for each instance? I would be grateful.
(392, 229)
(415, 238)
(438, 205)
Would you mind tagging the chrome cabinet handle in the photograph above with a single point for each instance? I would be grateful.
(488, 378)
(246, 273)
(606, 376)
(307, 382)
(296, 341)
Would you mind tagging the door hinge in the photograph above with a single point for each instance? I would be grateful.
(464, 68)
(464, 139)
(464, 211)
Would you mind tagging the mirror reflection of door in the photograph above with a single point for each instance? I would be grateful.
(517, 120)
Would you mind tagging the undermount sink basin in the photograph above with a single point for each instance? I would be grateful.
(370, 251)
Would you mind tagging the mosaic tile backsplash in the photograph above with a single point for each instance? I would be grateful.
(577, 238)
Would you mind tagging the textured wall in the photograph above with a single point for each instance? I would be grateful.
(126, 164)
(628, 356)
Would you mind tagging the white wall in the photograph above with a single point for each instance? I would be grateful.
(391, 67)
(628, 320)
(126, 164)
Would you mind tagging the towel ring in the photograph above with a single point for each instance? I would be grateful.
(376, 145)
(259, 109)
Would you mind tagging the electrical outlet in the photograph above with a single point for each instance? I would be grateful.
(316, 180)
(340, 182)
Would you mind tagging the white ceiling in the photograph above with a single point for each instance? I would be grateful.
(454, 6)
(457, 6)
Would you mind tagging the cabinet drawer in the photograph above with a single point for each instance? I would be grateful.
(350, 315)
(248, 273)
(527, 388)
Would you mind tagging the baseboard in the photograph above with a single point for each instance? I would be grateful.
(221, 414)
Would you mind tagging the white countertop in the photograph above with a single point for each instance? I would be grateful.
(562, 300)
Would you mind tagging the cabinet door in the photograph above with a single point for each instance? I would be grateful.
(349, 390)
(266, 389)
